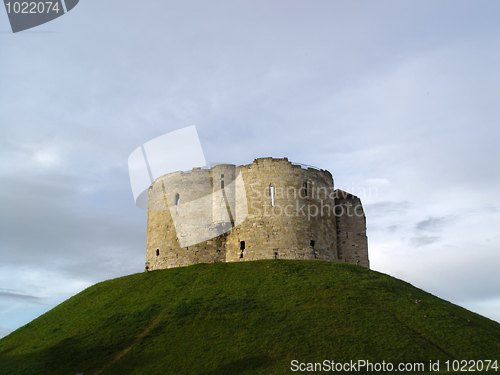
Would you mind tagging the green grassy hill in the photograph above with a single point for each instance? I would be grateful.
(246, 318)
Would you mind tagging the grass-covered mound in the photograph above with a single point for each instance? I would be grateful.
(245, 318)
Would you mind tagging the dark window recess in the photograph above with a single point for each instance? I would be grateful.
(306, 190)
(276, 255)
(157, 252)
(242, 248)
(346, 234)
(312, 243)
(222, 181)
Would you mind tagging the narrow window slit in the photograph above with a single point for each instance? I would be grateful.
(242, 248)
(312, 243)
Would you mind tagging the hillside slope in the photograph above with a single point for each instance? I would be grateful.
(245, 318)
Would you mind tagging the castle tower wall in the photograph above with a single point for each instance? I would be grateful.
(270, 209)
(284, 214)
(351, 229)
(224, 196)
(180, 221)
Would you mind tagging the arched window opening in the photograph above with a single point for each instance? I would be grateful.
(312, 243)
(306, 189)
(177, 202)
(271, 193)
(157, 252)
(276, 255)
(222, 181)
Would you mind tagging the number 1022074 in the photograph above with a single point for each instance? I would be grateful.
(32, 7)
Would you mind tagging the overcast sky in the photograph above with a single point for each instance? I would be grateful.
(397, 96)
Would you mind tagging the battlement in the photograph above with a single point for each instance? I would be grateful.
(269, 209)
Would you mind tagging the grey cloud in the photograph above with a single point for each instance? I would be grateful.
(484, 209)
(431, 224)
(21, 297)
(423, 240)
(491, 208)
(62, 221)
(393, 228)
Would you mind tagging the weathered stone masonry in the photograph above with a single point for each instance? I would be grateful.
(270, 209)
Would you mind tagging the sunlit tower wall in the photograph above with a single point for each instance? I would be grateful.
(284, 214)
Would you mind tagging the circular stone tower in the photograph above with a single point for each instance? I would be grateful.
(270, 209)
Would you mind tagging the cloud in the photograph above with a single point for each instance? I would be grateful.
(20, 297)
(432, 224)
(393, 228)
(423, 227)
(57, 221)
(423, 240)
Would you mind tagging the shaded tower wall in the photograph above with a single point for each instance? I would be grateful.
(352, 242)
(284, 214)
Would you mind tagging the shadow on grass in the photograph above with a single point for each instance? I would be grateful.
(241, 366)
(67, 356)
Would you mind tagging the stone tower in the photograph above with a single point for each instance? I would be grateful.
(270, 209)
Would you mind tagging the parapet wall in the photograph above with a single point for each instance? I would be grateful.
(270, 209)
